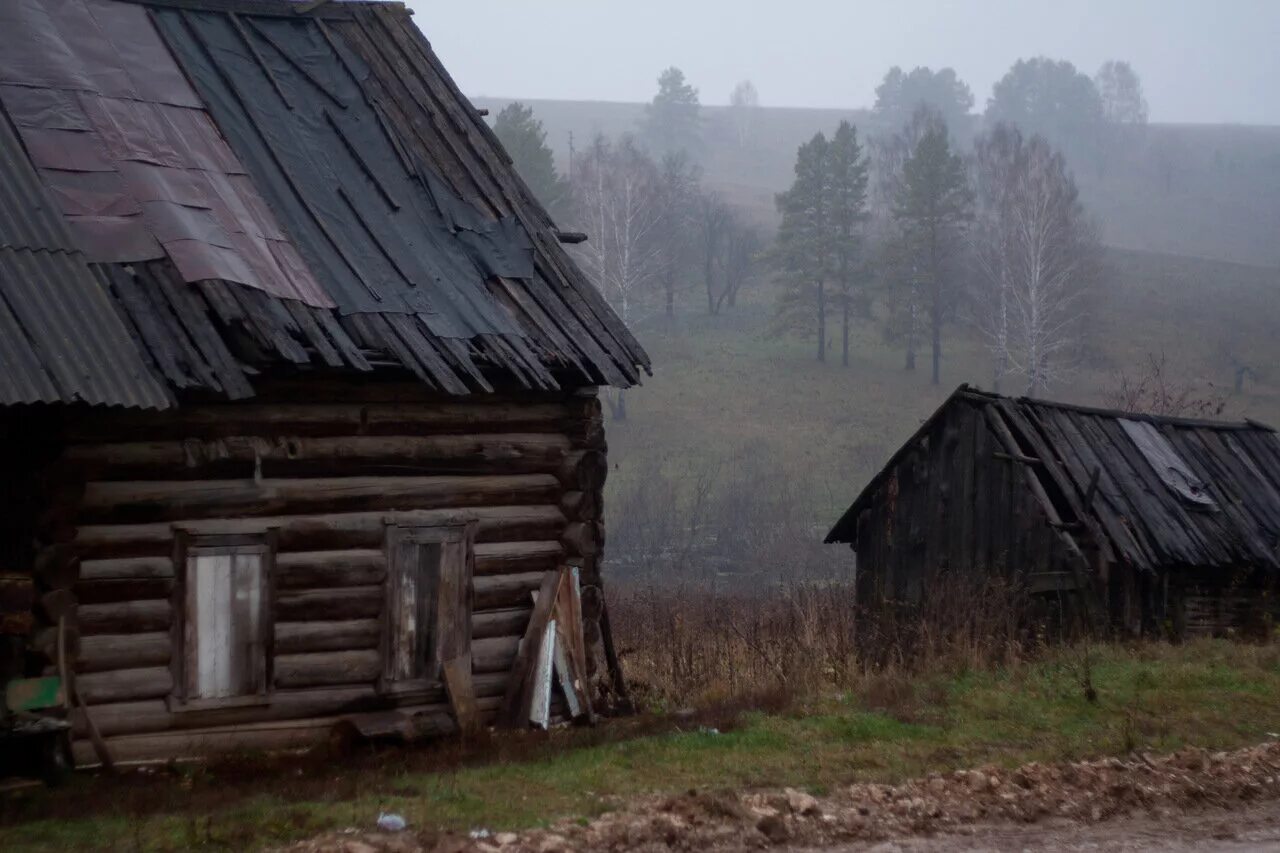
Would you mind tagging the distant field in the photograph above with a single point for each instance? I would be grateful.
(1200, 190)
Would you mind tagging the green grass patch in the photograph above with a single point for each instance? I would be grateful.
(1211, 694)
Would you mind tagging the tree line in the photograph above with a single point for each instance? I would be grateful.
(912, 230)
(916, 235)
(654, 229)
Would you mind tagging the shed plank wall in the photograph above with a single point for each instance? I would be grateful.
(327, 476)
(950, 504)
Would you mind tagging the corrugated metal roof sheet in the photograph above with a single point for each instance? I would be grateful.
(482, 286)
(63, 338)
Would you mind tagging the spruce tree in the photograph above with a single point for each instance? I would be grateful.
(803, 252)
(525, 140)
(933, 209)
(847, 211)
(672, 119)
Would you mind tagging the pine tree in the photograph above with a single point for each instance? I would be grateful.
(671, 122)
(933, 209)
(847, 211)
(525, 140)
(802, 252)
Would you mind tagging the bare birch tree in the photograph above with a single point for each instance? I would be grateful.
(995, 160)
(744, 104)
(1038, 256)
(617, 196)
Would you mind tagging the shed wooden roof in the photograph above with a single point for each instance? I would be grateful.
(1169, 491)
(258, 182)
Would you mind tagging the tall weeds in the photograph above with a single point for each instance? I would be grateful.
(691, 644)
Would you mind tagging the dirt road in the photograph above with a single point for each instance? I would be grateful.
(1192, 799)
(1247, 829)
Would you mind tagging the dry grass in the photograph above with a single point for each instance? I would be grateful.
(690, 645)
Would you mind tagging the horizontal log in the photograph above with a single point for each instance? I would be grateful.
(154, 715)
(301, 456)
(309, 419)
(322, 532)
(105, 652)
(327, 668)
(316, 605)
(125, 685)
(499, 623)
(495, 654)
(199, 743)
(506, 590)
(346, 635)
(319, 569)
(434, 721)
(504, 558)
(126, 568)
(169, 500)
(124, 617)
(123, 589)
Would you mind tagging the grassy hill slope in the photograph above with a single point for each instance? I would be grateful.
(724, 389)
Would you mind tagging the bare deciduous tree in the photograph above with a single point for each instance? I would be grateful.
(713, 221)
(1152, 390)
(744, 103)
(1038, 255)
(678, 194)
(740, 258)
(617, 198)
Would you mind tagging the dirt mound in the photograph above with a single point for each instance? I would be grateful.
(1087, 791)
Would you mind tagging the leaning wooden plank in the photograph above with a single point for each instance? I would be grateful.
(518, 686)
(566, 676)
(539, 710)
(462, 698)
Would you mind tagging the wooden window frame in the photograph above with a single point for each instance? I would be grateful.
(187, 545)
(462, 534)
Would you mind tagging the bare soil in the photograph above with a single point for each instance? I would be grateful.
(1187, 800)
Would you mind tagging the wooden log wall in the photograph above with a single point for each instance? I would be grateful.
(326, 476)
(958, 499)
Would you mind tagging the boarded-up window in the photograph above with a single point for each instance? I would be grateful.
(224, 621)
(428, 603)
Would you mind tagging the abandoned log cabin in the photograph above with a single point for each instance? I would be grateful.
(1150, 524)
(300, 419)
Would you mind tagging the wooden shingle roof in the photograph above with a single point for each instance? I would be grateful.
(1152, 491)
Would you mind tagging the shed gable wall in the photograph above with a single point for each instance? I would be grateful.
(957, 501)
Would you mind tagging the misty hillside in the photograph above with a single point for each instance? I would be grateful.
(1210, 191)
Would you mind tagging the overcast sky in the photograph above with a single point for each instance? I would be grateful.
(1200, 60)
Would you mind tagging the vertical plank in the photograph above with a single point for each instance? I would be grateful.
(516, 699)
(540, 707)
(567, 676)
